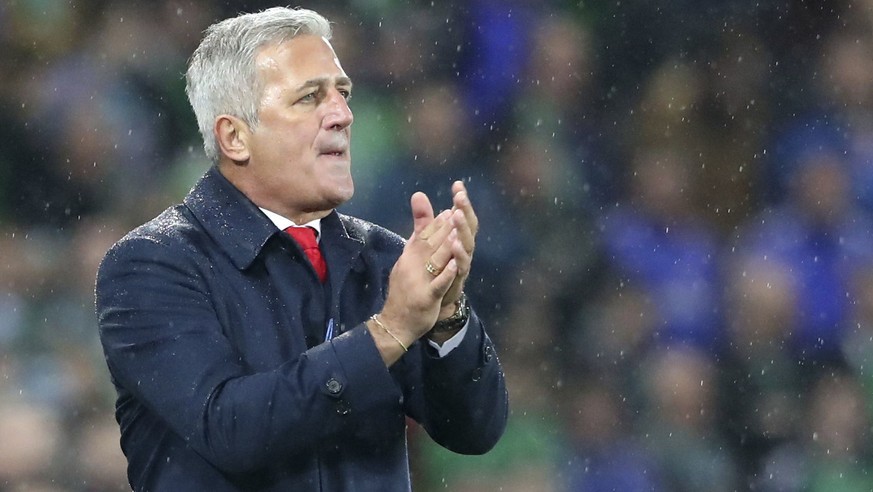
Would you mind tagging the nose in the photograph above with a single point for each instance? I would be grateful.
(339, 115)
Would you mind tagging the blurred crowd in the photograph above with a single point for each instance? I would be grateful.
(676, 203)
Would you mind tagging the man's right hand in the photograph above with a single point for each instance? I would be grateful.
(415, 292)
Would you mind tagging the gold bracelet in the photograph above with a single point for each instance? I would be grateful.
(375, 319)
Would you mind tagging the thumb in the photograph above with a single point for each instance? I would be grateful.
(422, 211)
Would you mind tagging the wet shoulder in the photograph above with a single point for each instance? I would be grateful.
(174, 230)
(372, 235)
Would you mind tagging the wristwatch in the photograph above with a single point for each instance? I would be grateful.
(457, 320)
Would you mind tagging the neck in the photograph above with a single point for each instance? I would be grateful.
(253, 190)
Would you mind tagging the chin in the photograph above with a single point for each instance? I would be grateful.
(342, 193)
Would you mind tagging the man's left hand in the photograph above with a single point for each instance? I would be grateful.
(465, 226)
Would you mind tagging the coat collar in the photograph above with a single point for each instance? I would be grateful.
(229, 217)
(241, 229)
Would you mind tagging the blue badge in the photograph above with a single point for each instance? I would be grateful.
(329, 333)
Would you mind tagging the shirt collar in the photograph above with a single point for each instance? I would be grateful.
(283, 222)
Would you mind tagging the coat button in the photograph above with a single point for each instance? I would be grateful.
(477, 374)
(334, 386)
(489, 353)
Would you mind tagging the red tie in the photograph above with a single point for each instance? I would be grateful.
(305, 237)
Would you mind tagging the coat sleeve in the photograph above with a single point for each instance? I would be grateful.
(166, 351)
(463, 403)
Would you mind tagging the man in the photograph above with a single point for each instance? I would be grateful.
(245, 360)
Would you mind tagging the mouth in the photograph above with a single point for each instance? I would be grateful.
(338, 149)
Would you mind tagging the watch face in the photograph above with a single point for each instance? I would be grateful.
(457, 320)
(460, 309)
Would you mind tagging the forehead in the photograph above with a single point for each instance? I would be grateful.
(299, 59)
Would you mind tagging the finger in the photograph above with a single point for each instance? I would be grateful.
(464, 261)
(461, 201)
(435, 224)
(463, 258)
(440, 258)
(465, 234)
(441, 283)
(422, 211)
(443, 227)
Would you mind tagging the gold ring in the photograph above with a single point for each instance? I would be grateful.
(432, 269)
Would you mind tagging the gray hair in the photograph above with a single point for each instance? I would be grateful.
(222, 77)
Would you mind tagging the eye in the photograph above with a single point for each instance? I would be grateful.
(346, 93)
(309, 97)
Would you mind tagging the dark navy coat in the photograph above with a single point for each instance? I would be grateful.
(213, 326)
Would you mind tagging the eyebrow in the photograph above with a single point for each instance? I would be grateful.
(316, 82)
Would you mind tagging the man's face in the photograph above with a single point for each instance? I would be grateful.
(299, 151)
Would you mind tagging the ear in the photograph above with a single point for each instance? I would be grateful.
(233, 134)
